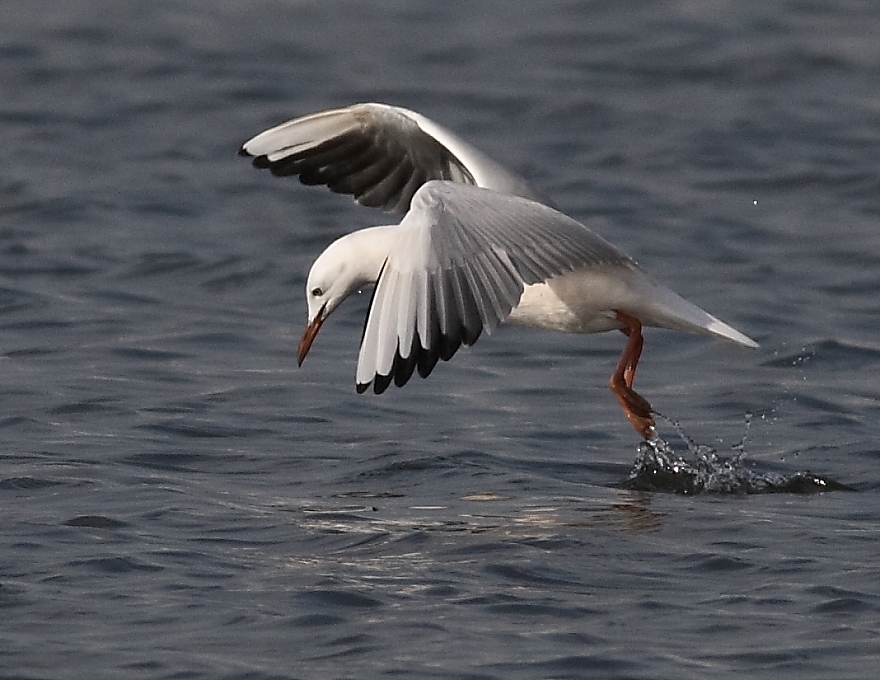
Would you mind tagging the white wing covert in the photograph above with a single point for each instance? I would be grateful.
(460, 265)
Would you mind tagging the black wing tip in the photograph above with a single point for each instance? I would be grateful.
(262, 162)
(380, 383)
(420, 360)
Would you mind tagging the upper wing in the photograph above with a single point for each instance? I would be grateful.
(381, 154)
(462, 261)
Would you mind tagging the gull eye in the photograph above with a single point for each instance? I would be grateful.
(317, 292)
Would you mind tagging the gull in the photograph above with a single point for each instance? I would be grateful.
(477, 246)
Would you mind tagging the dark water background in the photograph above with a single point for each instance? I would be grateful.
(178, 500)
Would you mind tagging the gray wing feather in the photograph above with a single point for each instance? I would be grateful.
(376, 153)
(463, 259)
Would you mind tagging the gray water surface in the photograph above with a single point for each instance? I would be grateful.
(180, 501)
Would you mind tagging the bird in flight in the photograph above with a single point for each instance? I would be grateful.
(477, 246)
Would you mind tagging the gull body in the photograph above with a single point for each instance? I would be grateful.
(477, 246)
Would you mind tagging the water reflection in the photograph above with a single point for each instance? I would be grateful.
(484, 512)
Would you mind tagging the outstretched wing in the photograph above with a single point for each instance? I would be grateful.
(460, 266)
(380, 154)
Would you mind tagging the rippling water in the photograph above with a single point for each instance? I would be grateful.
(179, 500)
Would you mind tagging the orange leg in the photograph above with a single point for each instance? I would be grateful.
(635, 407)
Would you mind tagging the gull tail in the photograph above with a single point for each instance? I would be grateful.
(665, 309)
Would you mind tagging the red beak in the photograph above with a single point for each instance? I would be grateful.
(309, 335)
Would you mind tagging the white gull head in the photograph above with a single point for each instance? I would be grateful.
(347, 265)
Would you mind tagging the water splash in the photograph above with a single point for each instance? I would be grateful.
(659, 467)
